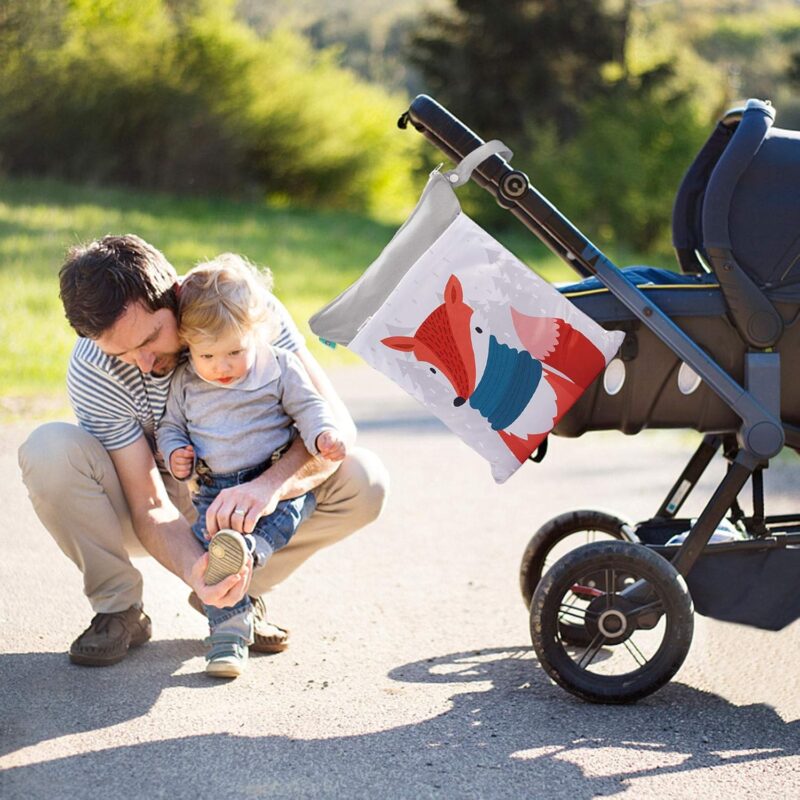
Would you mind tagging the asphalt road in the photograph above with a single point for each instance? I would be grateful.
(410, 674)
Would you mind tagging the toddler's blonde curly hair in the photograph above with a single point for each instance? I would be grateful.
(226, 294)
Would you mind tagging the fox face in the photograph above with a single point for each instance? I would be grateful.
(519, 392)
(444, 341)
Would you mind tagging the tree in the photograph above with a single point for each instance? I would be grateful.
(502, 65)
(177, 95)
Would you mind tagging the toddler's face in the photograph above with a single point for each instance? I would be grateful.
(224, 360)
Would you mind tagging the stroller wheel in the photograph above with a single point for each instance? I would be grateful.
(562, 534)
(636, 610)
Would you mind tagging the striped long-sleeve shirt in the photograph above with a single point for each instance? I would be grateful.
(118, 403)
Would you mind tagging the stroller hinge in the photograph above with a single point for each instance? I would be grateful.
(755, 317)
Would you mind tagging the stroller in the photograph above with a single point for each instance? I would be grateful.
(709, 349)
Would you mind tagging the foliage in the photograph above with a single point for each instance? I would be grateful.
(510, 64)
(595, 102)
(369, 36)
(621, 171)
(314, 255)
(180, 96)
(745, 47)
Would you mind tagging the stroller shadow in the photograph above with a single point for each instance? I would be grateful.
(665, 722)
(511, 733)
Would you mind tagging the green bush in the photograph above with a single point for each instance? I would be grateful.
(177, 95)
(617, 179)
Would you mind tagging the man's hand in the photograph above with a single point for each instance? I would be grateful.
(240, 507)
(227, 592)
(181, 462)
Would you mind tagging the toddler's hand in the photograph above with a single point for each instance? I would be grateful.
(181, 462)
(330, 446)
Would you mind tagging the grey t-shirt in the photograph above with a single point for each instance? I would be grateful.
(239, 426)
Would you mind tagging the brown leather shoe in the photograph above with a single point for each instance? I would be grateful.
(267, 637)
(107, 640)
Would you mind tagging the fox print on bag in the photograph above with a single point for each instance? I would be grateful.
(520, 392)
(485, 344)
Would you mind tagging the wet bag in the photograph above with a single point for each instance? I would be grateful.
(467, 329)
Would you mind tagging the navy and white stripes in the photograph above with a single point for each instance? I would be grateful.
(117, 402)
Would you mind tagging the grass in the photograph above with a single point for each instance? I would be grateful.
(313, 255)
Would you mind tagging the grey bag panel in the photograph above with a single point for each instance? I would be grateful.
(438, 206)
(340, 320)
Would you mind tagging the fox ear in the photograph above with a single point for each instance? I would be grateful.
(404, 343)
(453, 293)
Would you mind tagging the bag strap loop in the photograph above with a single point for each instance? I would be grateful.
(463, 170)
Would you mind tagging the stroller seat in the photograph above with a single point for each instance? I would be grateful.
(676, 294)
(647, 385)
(735, 229)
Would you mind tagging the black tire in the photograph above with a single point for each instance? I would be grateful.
(660, 616)
(582, 524)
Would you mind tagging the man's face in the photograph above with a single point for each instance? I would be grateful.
(147, 339)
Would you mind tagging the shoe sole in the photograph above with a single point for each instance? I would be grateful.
(270, 644)
(224, 670)
(227, 554)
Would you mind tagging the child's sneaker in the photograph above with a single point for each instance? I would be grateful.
(228, 655)
(227, 554)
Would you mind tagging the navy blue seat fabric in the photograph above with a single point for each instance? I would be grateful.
(676, 294)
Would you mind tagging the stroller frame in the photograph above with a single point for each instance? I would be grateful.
(757, 404)
(748, 449)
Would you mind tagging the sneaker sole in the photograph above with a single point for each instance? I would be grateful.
(216, 670)
(227, 554)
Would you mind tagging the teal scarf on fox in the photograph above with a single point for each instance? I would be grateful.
(507, 385)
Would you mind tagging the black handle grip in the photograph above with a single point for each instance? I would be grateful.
(511, 188)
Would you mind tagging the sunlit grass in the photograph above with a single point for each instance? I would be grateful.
(314, 255)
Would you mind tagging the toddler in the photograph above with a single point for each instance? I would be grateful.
(234, 407)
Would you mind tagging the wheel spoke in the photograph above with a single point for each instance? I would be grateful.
(577, 612)
(656, 605)
(610, 576)
(635, 652)
(591, 651)
(572, 612)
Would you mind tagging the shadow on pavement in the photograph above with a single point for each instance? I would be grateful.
(518, 737)
(38, 699)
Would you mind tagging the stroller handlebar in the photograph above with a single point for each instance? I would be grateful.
(511, 188)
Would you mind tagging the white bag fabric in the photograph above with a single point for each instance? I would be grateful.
(468, 330)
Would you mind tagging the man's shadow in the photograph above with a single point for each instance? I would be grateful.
(43, 696)
(516, 735)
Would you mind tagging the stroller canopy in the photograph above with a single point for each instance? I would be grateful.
(744, 187)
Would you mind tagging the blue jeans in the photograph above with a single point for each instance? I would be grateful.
(270, 534)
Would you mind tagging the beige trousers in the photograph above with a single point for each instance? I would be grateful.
(77, 496)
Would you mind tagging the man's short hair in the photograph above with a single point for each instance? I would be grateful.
(101, 279)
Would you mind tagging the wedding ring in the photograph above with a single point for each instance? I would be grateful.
(239, 511)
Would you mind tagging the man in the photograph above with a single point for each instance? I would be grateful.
(100, 488)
